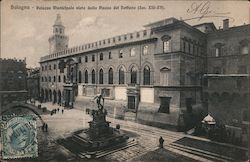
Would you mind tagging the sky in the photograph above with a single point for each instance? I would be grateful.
(25, 33)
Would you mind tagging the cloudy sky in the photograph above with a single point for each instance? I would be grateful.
(25, 33)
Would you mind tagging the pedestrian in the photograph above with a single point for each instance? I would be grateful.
(58, 109)
(51, 113)
(62, 111)
(46, 127)
(43, 127)
(161, 141)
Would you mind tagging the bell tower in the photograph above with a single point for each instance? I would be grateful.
(58, 41)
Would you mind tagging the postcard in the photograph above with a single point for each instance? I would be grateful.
(128, 80)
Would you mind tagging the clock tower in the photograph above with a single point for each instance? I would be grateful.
(58, 41)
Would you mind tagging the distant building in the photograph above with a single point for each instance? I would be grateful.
(12, 81)
(155, 74)
(33, 83)
(226, 84)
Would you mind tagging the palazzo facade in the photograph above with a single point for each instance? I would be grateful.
(157, 74)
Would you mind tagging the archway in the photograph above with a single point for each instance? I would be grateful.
(42, 95)
(13, 106)
(54, 97)
(59, 101)
(50, 95)
(46, 95)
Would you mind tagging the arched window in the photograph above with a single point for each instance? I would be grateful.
(101, 76)
(49, 79)
(133, 75)
(59, 78)
(110, 76)
(146, 75)
(64, 79)
(166, 46)
(121, 76)
(93, 76)
(244, 49)
(45, 78)
(86, 76)
(54, 79)
(80, 77)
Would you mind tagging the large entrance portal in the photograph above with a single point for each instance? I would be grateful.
(69, 94)
(133, 94)
(131, 102)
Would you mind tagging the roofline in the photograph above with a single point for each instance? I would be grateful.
(229, 29)
(98, 49)
(226, 75)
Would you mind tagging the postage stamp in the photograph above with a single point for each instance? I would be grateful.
(19, 137)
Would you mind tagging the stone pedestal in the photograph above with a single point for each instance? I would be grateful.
(99, 126)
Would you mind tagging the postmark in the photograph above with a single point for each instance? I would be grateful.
(19, 137)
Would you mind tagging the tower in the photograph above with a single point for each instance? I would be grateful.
(58, 41)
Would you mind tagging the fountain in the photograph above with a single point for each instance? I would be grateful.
(98, 136)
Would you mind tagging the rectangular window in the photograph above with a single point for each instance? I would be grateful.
(86, 58)
(217, 51)
(93, 58)
(189, 48)
(166, 46)
(110, 55)
(101, 56)
(145, 50)
(137, 34)
(164, 105)
(131, 36)
(131, 102)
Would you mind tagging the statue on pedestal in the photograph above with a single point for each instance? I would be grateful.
(98, 101)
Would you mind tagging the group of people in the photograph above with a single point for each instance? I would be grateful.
(54, 111)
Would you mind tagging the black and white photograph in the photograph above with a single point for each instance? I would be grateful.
(124, 80)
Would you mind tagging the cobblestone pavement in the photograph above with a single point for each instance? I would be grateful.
(62, 125)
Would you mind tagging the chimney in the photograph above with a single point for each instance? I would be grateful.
(225, 24)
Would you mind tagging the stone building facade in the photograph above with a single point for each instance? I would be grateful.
(33, 83)
(12, 81)
(154, 74)
(226, 84)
